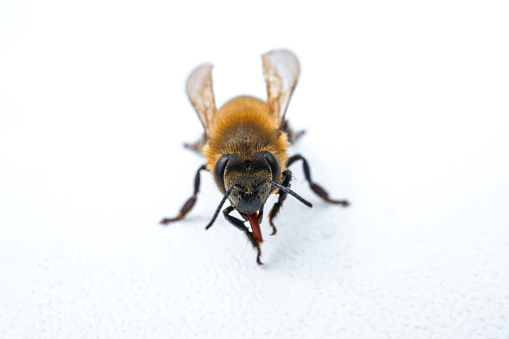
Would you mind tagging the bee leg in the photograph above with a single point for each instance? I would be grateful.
(197, 146)
(189, 203)
(286, 182)
(293, 136)
(315, 187)
(239, 224)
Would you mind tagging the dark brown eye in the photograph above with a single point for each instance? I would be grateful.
(220, 168)
(273, 163)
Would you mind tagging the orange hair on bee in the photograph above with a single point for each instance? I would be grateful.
(243, 125)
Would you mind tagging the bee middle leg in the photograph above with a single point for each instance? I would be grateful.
(196, 146)
(189, 203)
(293, 136)
(322, 193)
(239, 224)
(286, 182)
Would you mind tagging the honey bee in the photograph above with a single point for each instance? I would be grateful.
(245, 146)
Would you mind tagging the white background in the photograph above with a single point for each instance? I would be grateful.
(405, 105)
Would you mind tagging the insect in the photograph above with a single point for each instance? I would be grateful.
(245, 145)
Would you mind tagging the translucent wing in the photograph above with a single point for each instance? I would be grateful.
(201, 95)
(281, 70)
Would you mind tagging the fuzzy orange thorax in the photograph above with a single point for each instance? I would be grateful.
(243, 125)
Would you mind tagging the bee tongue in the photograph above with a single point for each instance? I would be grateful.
(253, 220)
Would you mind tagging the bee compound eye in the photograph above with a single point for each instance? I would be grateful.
(220, 168)
(273, 163)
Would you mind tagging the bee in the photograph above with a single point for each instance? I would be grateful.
(245, 146)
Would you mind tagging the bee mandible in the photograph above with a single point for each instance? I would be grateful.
(245, 145)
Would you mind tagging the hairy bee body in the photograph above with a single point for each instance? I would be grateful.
(245, 145)
(243, 126)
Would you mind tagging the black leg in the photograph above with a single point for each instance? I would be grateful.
(189, 203)
(315, 187)
(286, 182)
(293, 136)
(239, 224)
(197, 146)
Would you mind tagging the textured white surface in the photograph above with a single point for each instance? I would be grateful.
(406, 112)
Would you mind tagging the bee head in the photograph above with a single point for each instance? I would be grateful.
(249, 177)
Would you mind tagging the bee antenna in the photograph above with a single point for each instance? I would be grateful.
(287, 190)
(227, 193)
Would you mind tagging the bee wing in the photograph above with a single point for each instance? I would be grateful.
(281, 70)
(201, 95)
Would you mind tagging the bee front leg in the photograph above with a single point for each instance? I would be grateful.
(286, 182)
(315, 187)
(239, 224)
(189, 203)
